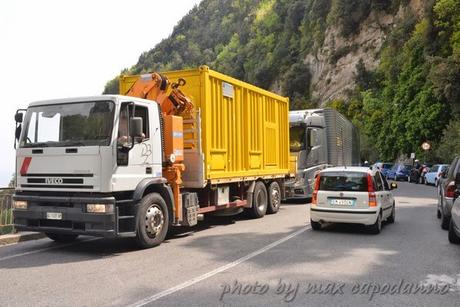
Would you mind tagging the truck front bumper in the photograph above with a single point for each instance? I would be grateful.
(72, 212)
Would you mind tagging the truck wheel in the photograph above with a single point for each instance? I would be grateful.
(61, 238)
(152, 221)
(453, 237)
(259, 201)
(274, 197)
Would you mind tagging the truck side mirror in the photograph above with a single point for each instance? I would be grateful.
(135, 125)
(18, 117)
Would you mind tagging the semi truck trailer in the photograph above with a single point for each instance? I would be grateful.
(171, 148)
(319, 138)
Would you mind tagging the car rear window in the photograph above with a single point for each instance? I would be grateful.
(343, 181)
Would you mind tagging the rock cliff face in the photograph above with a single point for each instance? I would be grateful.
(296, 48)
(333, 66)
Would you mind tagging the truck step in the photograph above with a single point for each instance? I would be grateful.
(123, 217)
(127, 234)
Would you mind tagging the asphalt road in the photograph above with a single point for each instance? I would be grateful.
(274, 261)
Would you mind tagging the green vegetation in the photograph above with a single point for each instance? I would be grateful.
(415, 91)
(410, 98)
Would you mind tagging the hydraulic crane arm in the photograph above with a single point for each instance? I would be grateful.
(174, 105)
(158, 88)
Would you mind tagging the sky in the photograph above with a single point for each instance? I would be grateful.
(56, 49)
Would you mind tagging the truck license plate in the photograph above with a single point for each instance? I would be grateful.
(342, 202)
(54, 215)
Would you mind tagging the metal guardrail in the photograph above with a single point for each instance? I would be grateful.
(6, 211)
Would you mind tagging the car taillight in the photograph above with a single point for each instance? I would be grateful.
(371, 191)
(314, 198)
(450, 190)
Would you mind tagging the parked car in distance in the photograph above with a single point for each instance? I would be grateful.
(399, 172)
(357, 195)
(383, 167)
(447, 185)
(454, 225)
(433, 175)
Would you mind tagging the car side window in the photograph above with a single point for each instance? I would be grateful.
(386, 186)
(378, 182)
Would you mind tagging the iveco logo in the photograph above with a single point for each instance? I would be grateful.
(53, 180)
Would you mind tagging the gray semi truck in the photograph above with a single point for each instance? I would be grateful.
(319, 138)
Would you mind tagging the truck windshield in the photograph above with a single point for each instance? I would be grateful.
(297, 138)
(69, 124)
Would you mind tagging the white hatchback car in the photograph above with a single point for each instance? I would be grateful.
(357, 195)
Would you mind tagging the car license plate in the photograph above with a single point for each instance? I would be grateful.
(342, 202)
(54, 215)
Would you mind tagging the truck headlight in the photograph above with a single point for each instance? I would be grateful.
(99, 208)
(20, 204)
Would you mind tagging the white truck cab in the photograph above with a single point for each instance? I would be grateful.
(76, 158)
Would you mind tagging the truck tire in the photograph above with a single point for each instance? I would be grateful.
(61, 238)
(274, 198)
(152, 221)
(259, 201)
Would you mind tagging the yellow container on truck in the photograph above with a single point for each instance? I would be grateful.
(237, 132)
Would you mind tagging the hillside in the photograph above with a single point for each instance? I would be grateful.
(390, 65)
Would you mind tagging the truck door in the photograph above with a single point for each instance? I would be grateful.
(144, 159)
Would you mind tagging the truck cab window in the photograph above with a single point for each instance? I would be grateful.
(124, 139)
(297, 138)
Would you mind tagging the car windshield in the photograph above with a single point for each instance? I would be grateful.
(343, 181)
(70, 124)
(297, 138)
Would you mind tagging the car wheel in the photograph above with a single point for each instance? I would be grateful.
(315, 225)
(436, 182)
(259, 201)
(152, 221)
(438, 214)
(391, 218)
(377, 226)
(444, 219)
(61, 238)
(274, 197)
(453, 237)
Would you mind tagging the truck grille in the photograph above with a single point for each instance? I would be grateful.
(57, 181)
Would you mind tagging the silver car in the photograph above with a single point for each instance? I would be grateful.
(454, 225)
(356, 195)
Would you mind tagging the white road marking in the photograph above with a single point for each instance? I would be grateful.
(221, 269)
(46, 249)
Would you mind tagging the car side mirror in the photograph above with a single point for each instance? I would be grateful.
(444, 174)
(393, 185)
